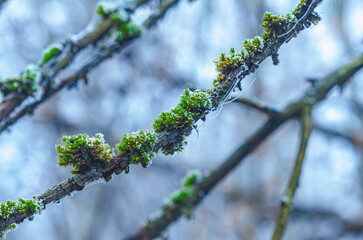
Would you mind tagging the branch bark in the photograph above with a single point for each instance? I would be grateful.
(287, 199)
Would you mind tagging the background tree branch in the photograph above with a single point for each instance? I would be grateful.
(287, 199)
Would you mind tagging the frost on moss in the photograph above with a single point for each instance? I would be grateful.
(184, 197)
(26, 206)
(139, 146)
(275, 25)
(84, 153)
(50, 52)
(6, 230)
(123, 26)
(29, 206)
(25, 84)
(192, 103)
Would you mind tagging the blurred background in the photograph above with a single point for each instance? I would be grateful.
(127, 92)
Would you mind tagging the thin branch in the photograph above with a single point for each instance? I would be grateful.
(258, 106)
(287, 199)
(156, 225)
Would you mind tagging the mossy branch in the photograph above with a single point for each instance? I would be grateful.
(287, 199)
(169, 213)
(170, 139)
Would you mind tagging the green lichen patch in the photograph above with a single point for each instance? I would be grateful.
(24, 84)
(138, 145)
(184, 197)
(50, 52)
(84, 153)
(192, 103)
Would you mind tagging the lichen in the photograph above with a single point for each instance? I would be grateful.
(84, 153)
(50, 52)
(139, 146)
(24, 84)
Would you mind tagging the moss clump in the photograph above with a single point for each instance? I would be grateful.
(7, 208)
(123, 26)
(25, 84)
(26, 206)
(29, 206)
(50, 52)
(84, 153)
(192, 103)
(253, 45)
(275, 25)
(127, 29)
(139, 146)
(226, 64)
(7, 229)
(184, 197)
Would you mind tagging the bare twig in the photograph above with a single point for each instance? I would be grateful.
(156, 225)
(287, 199)
(258, 106)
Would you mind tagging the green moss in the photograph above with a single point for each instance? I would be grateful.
(25, 84)
(184, 197)
(192, 103)
(253, 45)
(50, 52)
(25, 206)
(7, 229)
(127, 29)
(84, 153)
(139, 146)
(275, 25)
(29, 206)
(7, 208)
(297, 9)
(191, 178)
(226, 64)
(123, 27)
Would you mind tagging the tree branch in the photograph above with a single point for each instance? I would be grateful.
(258, 106)
(287, 199)
(156, 225)
(171, 138)
(68, 50)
